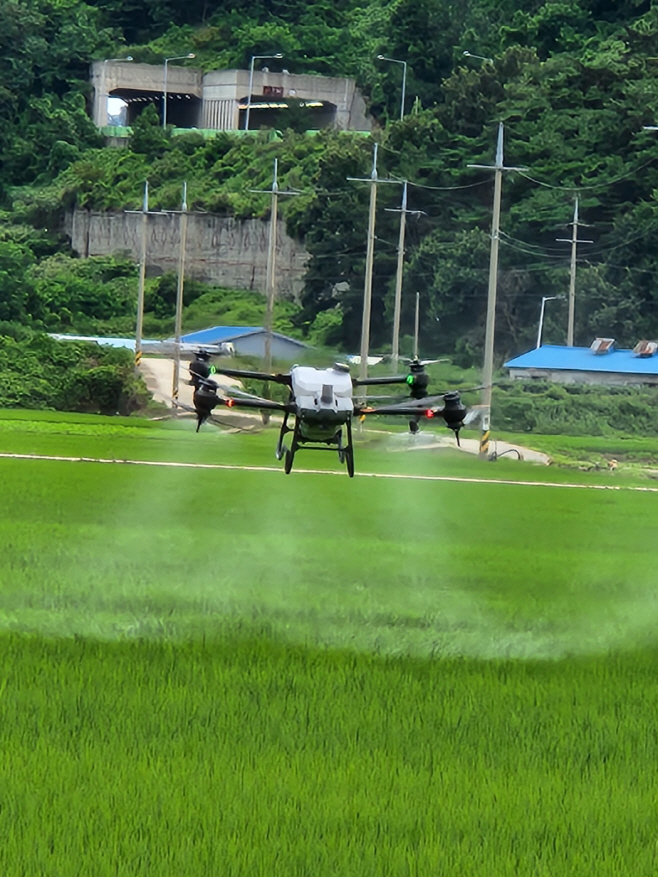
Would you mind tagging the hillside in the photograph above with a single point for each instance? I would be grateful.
(573, 82)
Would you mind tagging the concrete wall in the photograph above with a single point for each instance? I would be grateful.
(220, 250)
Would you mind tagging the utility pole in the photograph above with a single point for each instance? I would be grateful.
(487, 371)
(370, 258)
(142, 276)
(395, 345)
(179, 298)
(416, 325)
(270, 276)
(572, 271)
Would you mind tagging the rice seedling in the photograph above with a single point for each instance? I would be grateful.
(218, 671)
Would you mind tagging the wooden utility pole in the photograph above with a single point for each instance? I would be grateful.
(270, 278)
(141, 279)
(572, 272)
(487, 371)
(416, 325)
(397, 309)
(179, 298)
(370, 259)
(270, 275)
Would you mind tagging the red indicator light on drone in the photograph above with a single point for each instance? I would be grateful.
(230, 403)
(429, 413)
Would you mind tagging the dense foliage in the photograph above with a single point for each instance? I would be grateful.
(574, 82)
(38, 372)
(575, 409)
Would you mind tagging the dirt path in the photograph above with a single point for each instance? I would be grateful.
(158, 376)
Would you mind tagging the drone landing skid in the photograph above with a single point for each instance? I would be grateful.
(287, 454)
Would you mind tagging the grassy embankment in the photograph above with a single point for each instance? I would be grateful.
(219, 671)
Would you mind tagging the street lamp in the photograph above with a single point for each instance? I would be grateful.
(102, 116)
(480, 57)
(404, 78)
(251, 83)
(164, 90)
(544, 299)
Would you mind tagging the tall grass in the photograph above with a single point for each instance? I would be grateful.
(228, 672)
(248, 757)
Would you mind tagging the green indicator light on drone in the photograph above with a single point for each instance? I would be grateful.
(213, 370)
(410, 379)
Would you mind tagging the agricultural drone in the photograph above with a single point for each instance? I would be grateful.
(321, 404)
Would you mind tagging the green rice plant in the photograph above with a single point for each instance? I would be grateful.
(207, 671)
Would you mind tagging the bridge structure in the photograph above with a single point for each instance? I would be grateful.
(219, 99)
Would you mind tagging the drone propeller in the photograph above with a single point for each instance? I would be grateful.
(423, 362)
(239, 395)
(211, 417)
(453, 410)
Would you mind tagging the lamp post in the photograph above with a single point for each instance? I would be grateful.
(404, 78)
(479, 57)
(102, 107)
(164, 89)
(544, 299)
(251, 83)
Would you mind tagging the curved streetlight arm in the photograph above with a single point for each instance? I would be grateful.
(164, 84)
(251, 83)
(479, 57)
(544, 299)
(404, 78)
(103, 93)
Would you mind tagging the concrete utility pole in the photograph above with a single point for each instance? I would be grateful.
(270, 277)
(395, 345)
(572, 271)
(179, 298)
(416, 325)
(141, 280)
(370, 259)
(487, 371)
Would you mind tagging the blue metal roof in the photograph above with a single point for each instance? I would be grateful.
(556, 357)
(219, 334)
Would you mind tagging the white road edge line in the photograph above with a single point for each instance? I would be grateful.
(229, 466)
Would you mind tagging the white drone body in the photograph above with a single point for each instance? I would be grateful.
(324, 393)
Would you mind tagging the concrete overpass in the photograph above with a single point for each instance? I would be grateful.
(218, 100)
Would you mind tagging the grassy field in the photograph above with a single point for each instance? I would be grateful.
(215, 671)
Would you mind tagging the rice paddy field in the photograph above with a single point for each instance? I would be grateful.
(226, 671)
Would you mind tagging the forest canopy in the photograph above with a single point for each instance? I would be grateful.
(574, 82)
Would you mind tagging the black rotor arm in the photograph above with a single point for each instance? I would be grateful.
(256, 376)
(452, 410)
(372, 382)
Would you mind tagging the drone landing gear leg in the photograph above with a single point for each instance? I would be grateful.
(280, 447)
(290, 452)
(348, 450)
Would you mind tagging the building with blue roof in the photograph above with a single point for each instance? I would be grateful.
(247, 341)
(601, 363)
